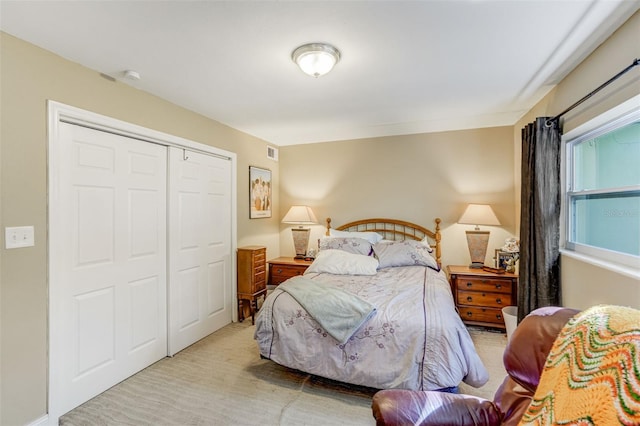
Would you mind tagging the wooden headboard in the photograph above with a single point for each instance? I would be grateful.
(392, 229)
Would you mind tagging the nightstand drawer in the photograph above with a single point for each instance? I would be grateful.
(480, 295)
(281, 273)
(481, 315)
(283, 268)
(488, 299)
(483, 284)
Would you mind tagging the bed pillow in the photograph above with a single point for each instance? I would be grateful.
(372, 237)
(340, 262)
(350, 245)
(424, 241)
(427, 244)
(404, 253)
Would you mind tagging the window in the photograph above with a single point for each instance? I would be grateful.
(602, 206)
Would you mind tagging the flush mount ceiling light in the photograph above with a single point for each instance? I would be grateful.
(316, 59)
(131, 75)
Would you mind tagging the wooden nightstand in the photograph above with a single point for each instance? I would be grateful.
(480, 295)
(252, 278)
(283, 268)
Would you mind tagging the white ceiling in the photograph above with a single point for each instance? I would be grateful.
(407, 66)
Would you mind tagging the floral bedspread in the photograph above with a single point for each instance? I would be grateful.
(416, 340)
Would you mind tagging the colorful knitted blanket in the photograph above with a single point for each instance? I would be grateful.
(592, 374)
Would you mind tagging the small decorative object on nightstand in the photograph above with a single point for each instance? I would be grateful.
(252, 278)
(283, 268)
(480, 294)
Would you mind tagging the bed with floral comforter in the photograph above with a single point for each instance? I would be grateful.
(406, 334)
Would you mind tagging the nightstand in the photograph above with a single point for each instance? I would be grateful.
(480, 295)
(252, 278)
(283, 268)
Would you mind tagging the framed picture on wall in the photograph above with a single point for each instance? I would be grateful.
(259, 193)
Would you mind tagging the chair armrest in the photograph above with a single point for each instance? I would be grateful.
(394, 407)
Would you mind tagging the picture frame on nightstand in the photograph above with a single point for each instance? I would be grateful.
(506, 260)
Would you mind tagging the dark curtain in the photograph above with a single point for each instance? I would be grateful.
(540, 217)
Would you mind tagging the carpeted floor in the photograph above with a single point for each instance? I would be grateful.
(490, 346)
(221, 380)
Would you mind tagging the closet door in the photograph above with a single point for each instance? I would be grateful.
(200, 293)
(108, 261)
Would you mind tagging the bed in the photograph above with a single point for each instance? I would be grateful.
(374, 309)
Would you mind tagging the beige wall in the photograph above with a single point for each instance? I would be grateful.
(29, 77)
(584, 284)
(415, 178)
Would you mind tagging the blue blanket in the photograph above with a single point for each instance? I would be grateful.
(339, 312)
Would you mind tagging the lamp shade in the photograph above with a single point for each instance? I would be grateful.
(479, 214)
(300, 215)
(316, 59)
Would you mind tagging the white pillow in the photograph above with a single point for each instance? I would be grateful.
(426, 242)
(372, 237)
(340, 262)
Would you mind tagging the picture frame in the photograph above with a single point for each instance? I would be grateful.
(260, 193)
(506, 260)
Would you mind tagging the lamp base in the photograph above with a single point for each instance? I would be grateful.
(300, 241)
(477, 242)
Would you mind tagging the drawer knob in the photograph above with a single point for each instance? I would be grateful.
(469, 285)
(498, 286)
(469, 298)
(499, 301)
(469, 313)
(498, 316)
(279, 270)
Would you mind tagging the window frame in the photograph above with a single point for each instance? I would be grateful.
(616, 117)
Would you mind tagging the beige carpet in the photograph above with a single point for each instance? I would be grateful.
(490, 346)
(221, 380)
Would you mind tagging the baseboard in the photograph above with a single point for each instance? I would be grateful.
(42, 421)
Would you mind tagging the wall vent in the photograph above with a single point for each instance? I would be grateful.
(272, 153)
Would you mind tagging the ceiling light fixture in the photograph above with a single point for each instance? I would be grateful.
(316, 59)
(131, 75)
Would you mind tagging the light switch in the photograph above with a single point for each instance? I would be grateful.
(18, 236)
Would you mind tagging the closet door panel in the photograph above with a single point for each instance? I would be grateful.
(107, 263)
(200, 261)
(215, 287)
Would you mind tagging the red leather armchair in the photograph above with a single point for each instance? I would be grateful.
(524, 360)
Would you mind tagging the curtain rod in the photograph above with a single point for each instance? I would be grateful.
(602, 86)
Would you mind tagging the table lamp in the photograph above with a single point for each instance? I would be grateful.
(477, 240)
(300, 215)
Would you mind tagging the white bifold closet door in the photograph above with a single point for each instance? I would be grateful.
(108, 300)
(200, 246)
(140, 257)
